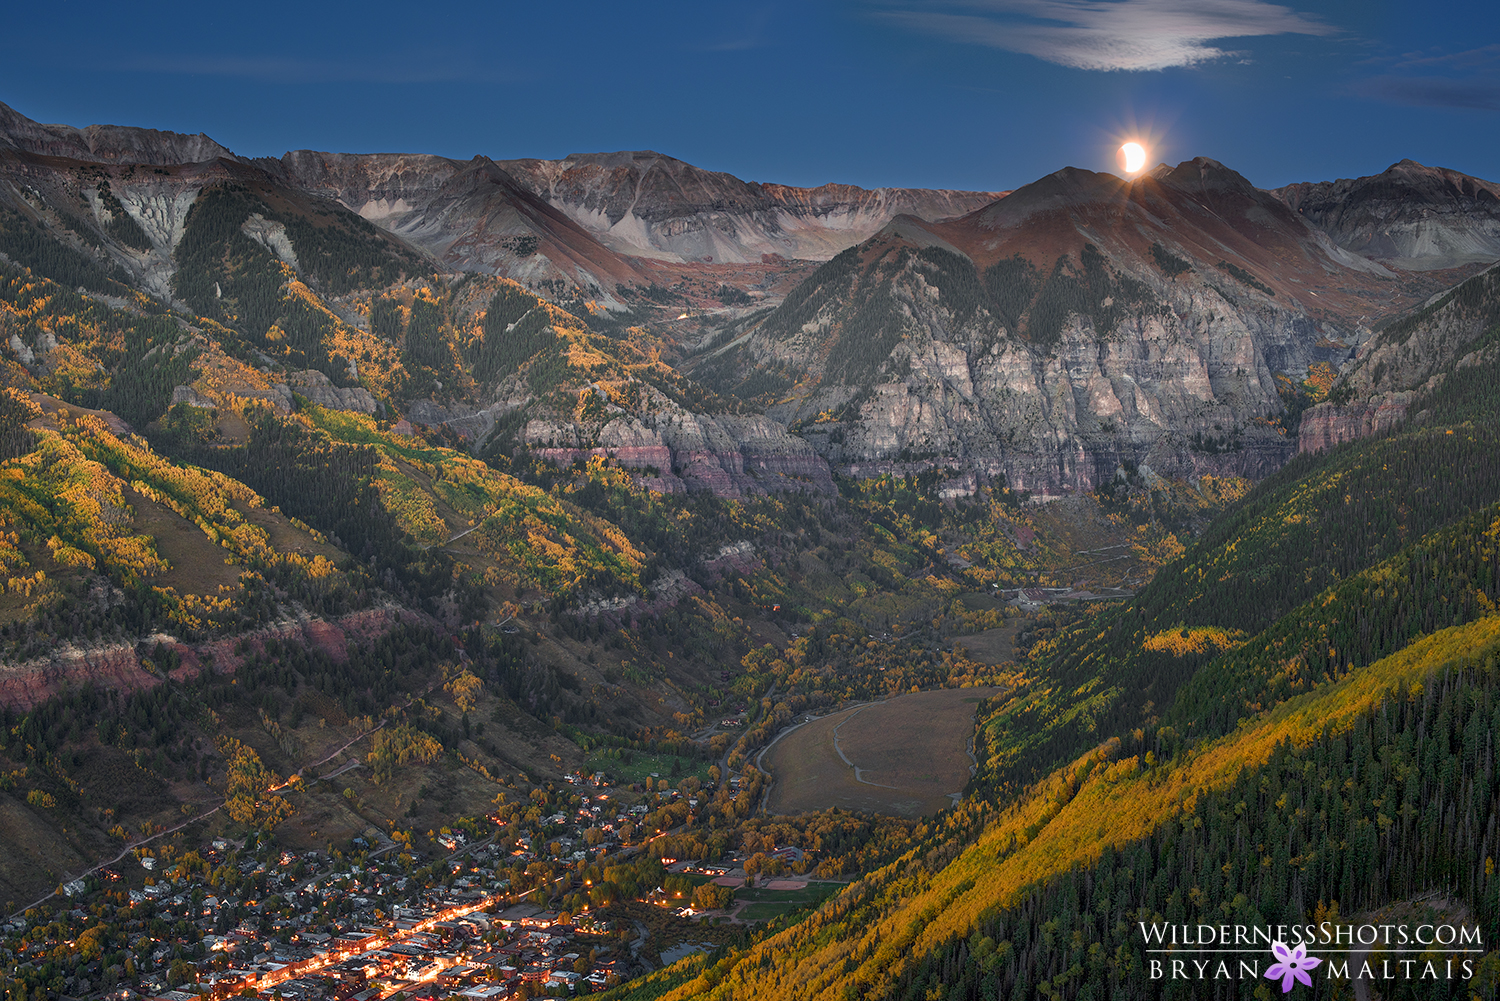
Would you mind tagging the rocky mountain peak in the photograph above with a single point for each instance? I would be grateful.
(1416, 217)
(1203, 173)
(1068, 188)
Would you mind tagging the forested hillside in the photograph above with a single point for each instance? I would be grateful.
(1359, 795)
(226, 557)
(1292, 724)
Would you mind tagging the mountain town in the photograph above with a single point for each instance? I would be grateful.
(516, 577)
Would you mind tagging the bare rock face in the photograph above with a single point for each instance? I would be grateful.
(1328, 424)
(23, 686)
(1079, 324)
(1411, 216)
(193, 398)
(670, 449)
(1406, 361)
(1188, 398)
(119, 667)
(319, 389)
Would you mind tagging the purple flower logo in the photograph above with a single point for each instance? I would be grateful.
(1294, 964)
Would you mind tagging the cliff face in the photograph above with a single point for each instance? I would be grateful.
(1077, 325)
(730, 455)
(1329, 424)
(1187, 389)
(670, 448)
(1411, 216)
(1406, 361)
(23, 686)
(120, 667)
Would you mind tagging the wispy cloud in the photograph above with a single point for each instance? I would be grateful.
(1433, 92)
(1469, 79)
(1107, 34)
(417, 67)
(1486, 57)
(750, 30)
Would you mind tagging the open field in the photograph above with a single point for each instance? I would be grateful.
(763, 905)
(902, 757)
(982, 601)
(643, 764)
(993, 646)
(198, 565)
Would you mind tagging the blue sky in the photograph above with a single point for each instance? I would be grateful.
(980, 94)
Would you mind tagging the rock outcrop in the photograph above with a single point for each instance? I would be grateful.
(193, 398)
(117, 668)
(318, 388)
(121, 667)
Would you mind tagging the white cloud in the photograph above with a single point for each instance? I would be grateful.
(1108, 34)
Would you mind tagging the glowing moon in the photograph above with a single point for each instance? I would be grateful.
(1132, 157)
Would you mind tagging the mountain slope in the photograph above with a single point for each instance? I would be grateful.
(598, 221)
(471, 216)
(1409, 216)
(107, 143)
(647, 204)
(591, 225)
(1075, 326)
(1053, 888)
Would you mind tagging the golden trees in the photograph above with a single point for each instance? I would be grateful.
(394, 746)
(466, 690)
(249, 784)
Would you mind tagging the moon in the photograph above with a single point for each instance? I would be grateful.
(1132, 157)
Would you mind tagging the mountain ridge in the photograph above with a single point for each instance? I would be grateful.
(108, 143)
(1078, 326)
